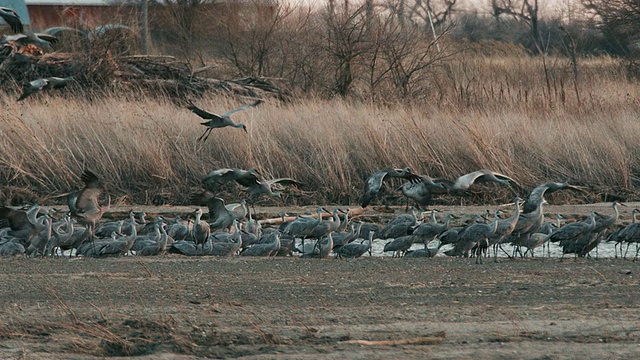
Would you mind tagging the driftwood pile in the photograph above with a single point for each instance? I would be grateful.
(151, 75)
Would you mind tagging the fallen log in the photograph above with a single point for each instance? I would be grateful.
(427, 340)
(278, 221)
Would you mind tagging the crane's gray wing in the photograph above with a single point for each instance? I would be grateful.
(204, 114)
(88, 197)
(243, 107)
(216, 208)
(71, 200)
(47, 37)
(202, 197)
(32, 88)
(372, 186)
(56, 82)
(284, 181)
(12, 18)
(464, 182)
(246, 178)
(537, 194)
(220, 175)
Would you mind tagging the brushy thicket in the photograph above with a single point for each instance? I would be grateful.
(368, 95)
(502, 118)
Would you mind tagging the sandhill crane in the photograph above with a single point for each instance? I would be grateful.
(321, 249)
(84, 205)
(150, 227)
(504, 229)
(18, 219)
(354, 250)
(44, 84)
(12, 248)
(619, 235)
(464, 182)
(421, 191)
(263, 249)
(365, 228)
(220, 217)
(400, 245)
(325, 227)
(42, 40)
(537, 194)
(374, 183)
(215, 121)
(603, 223)
(228, 248)
(252, 226)
(422, 253)
(184, 247)
(342, 238)
(631, 234)
(21, 223)
(265, 187)
(426, 232)
(571, 233)
(115, 247)
(144, 240)
(39, 240)
(107, 228)
(158, 248)
(61, 239)
(399, 226)
(222, 176)
(302, 226)
(536, 240)
(12, 19)
(201, 229)
(548, 227)
(476, 234)
(180, 230)
(527, 224)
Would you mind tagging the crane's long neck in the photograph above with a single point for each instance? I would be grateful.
(134, 230)
(516, 214)
(343, 224)
(32, 214)
(494, 224)
(336, 217)
(592, 221)
(616, 213)
(163, 239)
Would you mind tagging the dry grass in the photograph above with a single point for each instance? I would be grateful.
(489, 112)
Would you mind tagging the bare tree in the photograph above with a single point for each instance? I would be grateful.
(409, 52)
(345, 41)
(524, 10)
(619, 20)
(253, 38)
(186, 20)
(423, 13)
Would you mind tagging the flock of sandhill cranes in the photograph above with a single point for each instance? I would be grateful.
(231, 229)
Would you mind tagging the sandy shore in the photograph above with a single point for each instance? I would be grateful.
(174, 307)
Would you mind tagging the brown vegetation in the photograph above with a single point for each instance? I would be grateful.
(484, 112)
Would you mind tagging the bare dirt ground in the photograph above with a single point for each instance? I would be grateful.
(175, 307)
